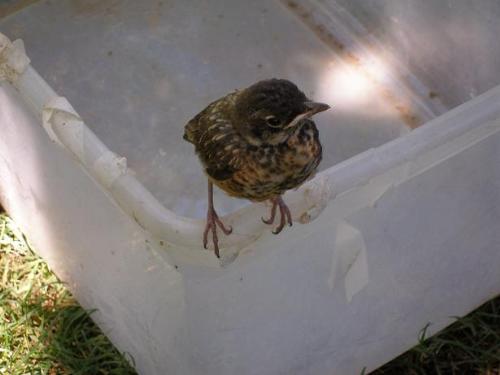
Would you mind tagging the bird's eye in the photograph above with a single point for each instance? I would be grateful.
(272, 121)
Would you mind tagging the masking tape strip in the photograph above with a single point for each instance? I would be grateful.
(108, 167)
(378, 186)
(321, 190)
(59, 113)
(317, 195)
(13, 59)
(349, 260)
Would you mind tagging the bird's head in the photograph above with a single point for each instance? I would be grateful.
(269, 111)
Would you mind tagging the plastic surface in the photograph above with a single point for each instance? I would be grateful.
(450, 45)
(138, 71)
(398, 236)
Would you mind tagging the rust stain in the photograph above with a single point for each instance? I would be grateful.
(404, 110)
(9, 7)
(317, 28)
(94, 7)
(155, 16)
(433, 94)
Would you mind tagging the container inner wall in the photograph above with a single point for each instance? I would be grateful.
(451, 45)
(138, 71)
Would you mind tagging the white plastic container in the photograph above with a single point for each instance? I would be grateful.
(398, 230)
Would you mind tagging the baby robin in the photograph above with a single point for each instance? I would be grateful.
(256, 144)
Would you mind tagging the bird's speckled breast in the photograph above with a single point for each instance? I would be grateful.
(268, 171)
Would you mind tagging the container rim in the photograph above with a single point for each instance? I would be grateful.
(456, 129)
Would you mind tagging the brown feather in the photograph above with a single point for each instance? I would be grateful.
(234, 151)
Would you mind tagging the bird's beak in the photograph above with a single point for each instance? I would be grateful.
(315, 107)
(312, 109)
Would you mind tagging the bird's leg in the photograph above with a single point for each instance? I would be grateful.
(285, 215)
(212, 222)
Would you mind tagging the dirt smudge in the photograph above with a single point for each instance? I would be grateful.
(404, 109)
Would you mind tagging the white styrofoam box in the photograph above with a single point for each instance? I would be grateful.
(390, 235)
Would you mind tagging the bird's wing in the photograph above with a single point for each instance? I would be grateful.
(216, 142)
(220, 151)
(193, 129)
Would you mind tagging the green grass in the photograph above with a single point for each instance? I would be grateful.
(44, 331)
(42, 328)
(471, 345)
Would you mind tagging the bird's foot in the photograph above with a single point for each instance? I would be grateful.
(285, 215)
(212, 222)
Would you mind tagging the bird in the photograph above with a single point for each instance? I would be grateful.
(256, 143)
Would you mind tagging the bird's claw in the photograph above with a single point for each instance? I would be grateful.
(285, 215)
(213, 222)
